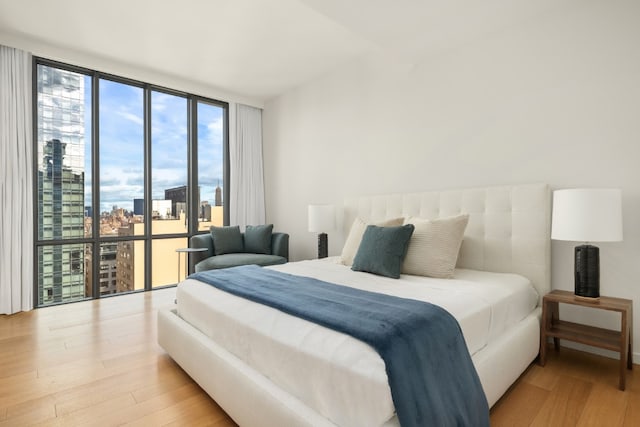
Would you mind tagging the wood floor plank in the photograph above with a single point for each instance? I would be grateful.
(30, 412)
(82, 368)
(92, 393)
(17, 366)
(171, 378)
(632, 414)
(633, 380)
(183, 412)
(540, 377)
(202, 421)
(131, 414)
(520, 406)
(100, 414)
(29, 389)
(564, 404)
(10, 385)
(606, 403)
(133, 360)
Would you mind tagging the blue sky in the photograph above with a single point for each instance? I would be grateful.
(121, 130)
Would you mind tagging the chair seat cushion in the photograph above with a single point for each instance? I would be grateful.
(234, 260)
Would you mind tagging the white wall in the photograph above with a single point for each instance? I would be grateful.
(555, 100)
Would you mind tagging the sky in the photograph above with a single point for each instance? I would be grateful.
(121, 132)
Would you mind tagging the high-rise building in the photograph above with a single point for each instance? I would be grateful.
(218, 196)
(178, 197)
(138, 206)
(61, 204)
(60, 216)
(126, 260)
(205, 211)
(108, 268)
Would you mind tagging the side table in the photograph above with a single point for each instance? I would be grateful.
(186, 261)
(620, 341)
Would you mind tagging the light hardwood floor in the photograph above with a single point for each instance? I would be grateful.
(97, 363)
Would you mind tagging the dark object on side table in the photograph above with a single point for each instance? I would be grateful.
(587, 273)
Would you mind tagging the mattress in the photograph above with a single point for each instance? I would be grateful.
(342, 378)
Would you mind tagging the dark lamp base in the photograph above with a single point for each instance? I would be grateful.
(323, 245)
(587, 271)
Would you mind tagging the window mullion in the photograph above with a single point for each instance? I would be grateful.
(147, 189)
(95, 184)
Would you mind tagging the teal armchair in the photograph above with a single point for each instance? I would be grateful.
(202, 261)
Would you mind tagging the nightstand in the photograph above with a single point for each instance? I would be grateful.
(620, 341)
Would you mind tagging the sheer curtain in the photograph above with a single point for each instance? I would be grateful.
(245, 159)
(16, 188)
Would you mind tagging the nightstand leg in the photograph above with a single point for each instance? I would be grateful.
(555, 316)
(624, 349)
(623, 369)
(630, 346)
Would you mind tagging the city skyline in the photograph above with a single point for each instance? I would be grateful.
(122, 138)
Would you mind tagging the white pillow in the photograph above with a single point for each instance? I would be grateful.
(434, 246)
(354, 238)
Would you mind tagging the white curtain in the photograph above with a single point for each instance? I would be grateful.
(245, 158)
(16, 188)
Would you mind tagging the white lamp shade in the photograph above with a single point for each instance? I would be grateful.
(587, 215)
(322, 218)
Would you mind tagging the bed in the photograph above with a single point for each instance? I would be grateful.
(266, 368)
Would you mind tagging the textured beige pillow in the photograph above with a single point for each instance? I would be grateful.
(354, 238)
(434, 246)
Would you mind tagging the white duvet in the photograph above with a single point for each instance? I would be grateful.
(338, 376)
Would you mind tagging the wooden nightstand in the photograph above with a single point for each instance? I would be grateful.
(620, 341)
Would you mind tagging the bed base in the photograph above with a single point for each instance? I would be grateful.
(251, 399)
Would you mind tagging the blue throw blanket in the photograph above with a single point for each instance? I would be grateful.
(432, 378)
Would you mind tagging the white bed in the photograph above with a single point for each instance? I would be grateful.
(267, 368)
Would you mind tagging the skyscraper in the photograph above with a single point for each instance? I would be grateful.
(61, 175)
(218, 196)
(60, 216)
(178, 197)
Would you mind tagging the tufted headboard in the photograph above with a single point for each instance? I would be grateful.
(509, 228)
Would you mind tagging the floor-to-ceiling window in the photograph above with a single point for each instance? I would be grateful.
(125, 173)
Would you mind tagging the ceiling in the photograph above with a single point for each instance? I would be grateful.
(258, 48)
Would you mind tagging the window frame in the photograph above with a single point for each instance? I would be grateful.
(95, 240)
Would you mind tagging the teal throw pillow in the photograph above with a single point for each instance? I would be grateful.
(382, 250)
(257, 239)
(226, 240)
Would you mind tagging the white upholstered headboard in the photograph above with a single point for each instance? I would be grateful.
(509, 228)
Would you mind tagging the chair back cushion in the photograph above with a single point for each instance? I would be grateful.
(227, 240)
(257, 239)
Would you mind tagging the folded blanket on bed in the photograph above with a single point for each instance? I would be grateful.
(431, 376)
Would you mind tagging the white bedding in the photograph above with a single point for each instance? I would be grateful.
(338, 376)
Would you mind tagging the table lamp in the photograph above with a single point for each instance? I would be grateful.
(322, 218)
(587, 215)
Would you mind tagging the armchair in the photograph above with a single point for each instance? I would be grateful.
(201, 261)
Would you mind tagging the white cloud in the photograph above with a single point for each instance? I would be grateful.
(215, 126)
(131, 117)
